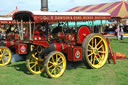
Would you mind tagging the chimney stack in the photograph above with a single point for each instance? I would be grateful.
(44, 5)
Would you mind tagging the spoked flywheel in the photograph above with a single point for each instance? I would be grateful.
(95, 51)
(34, 64)
(55, 64)
(5, 56)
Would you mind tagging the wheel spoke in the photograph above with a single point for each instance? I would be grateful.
(53, 70)
(97, 58)
(31, 62)
(34, 57)
(99, 42)
(89, 50)
(90, 54)
(91, 58)
(56, 57)
(90, 46)
(92, 42)
(102, 52)
(60, 62)
(0, 51)
(33, 65)
(35, 68)
(3, 51)
(95, 42)
(94, 60)
(99, 55)
(2, 61)
(39, 67)
(50, 62)
(58, 69)
(5, 59)
(100, 47)
(53, 59)
(50, 66)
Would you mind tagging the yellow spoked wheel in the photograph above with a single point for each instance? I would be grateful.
(95, 51)
(5, 56)
(55, 64)
(34, 64)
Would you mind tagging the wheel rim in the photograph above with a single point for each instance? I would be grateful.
(5, 56)
(35, 65)
(97, 51)
(56, 65)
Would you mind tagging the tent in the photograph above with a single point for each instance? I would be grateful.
(116, 9)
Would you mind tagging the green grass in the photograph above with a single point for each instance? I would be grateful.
(17, 73)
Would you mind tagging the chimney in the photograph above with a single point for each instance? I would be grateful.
(44, 5)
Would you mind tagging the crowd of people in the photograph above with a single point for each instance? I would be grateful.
(118, 29)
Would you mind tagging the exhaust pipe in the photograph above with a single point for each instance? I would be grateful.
(44, 5)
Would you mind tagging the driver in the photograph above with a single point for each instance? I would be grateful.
(56, 31)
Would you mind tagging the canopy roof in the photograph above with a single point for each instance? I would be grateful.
(59, 16)
(8, 20)
(12, 12)
(116, 9)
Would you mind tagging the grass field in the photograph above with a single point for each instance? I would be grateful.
(17, 73)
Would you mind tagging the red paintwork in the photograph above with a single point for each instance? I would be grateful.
(83, 32)
(70, 54)
(77, 53)
(74, 53)
(58, 46)
(110, 52)
(70, 37)
(17, 36)
(8, 43)
(61, 35)
(21, 48)
(11, 22)
(42, 43)
(68, 18)
(38, 37)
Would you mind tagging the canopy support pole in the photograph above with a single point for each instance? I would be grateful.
(19, 30)
(101, 27)
(22, 30)
(92, 24)
(30, 30)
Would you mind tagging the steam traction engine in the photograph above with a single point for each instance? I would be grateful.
(52, 42)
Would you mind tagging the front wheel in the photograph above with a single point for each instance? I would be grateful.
(5, 55)
(95, 51)
(55, 64)
(34, 64)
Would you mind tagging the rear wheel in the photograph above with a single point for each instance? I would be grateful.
(5, 55)
(34, 64)
(55, 64)
(95, 51)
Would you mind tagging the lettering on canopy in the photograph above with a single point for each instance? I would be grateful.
(10, 22)
(68, 18)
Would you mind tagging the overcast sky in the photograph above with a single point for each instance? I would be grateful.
(35, 5)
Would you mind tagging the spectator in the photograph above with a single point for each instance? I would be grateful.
(117, 31)
(2, 36)
(121, 32)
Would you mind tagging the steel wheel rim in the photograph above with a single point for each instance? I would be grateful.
(56, 65)
(5, 56)
(36, 66)
(97, 51)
